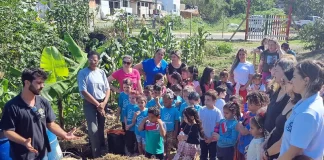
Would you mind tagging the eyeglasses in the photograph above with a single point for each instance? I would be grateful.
(128, 63)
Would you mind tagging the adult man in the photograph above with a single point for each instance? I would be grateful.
(26, 117)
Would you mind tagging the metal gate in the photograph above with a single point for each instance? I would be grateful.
(260, 26)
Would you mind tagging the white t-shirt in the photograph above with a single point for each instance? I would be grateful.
(258, 88)
(255, 149)
(241, 74)
(220, 103)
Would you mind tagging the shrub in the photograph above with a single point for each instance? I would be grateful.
(313, 35)
(224, 48)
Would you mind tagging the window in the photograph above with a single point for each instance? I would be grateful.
(125, 3)
(146, 4)
(175, 7)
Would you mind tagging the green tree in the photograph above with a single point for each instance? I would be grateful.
(71, 16)
(211, 10)
(303, 8)
(23, 35)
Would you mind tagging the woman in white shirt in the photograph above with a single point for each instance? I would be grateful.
(304, 129)
(241, 74)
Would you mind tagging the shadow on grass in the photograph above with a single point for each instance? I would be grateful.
(313, 55)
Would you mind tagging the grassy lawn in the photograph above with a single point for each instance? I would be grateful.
(220, 62)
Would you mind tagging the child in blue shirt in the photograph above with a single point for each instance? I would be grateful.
(155, 131)
(157, 97)
(177, 89)
(138, 117)
(186, 90)
(130, 137)
(170, 116)
(225, 132)
(123, 100)
(148, 92)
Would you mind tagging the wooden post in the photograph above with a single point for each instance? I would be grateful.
(247, 18)
(289, 20)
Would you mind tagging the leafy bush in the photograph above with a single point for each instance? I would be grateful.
(220, 49)
(176, 21)
(312, 35)
(23, 35)
(71, 17)
(224, 48)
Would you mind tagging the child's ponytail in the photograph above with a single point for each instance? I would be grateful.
(233, 107)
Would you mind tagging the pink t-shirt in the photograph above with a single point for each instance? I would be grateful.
(120, 75)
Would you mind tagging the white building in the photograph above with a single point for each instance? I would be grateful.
(171, 6)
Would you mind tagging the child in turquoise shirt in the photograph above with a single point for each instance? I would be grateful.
(155, 131)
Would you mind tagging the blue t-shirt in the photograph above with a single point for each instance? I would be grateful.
(151, 70)
(152, 103)
(229, 137)
(178, 99)
(169, 116)
(129, 114)
(245, 140)
(139, 119)
(123, 101)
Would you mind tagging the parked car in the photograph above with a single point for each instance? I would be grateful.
(307, 20)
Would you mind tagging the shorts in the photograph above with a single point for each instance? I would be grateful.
(170, 141)
(140, 139)
(154, 156)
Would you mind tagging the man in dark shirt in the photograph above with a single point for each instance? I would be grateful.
(26, 117)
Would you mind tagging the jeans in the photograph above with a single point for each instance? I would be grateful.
(206, 149)
(96, 124)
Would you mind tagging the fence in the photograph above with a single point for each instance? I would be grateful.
(267, 26)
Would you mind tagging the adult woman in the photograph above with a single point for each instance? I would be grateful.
(95, 91)
(268, 58)
(304, 129)
(150, 67)
(175, 66)
(241, 74)
(280, 98)
(272, 145)
(206, 82)
(126, 72)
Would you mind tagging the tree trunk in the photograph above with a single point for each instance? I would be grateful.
(60, 110)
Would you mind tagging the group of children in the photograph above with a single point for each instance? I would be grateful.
(164, 119)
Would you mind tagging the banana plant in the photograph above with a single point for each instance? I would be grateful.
(62, 80)
(5, 93)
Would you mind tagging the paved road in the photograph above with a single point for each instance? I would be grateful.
(215, 36)
(220, 36)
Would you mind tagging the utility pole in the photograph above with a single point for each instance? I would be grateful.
(289, 19)
(247, 18)
(154, 13)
